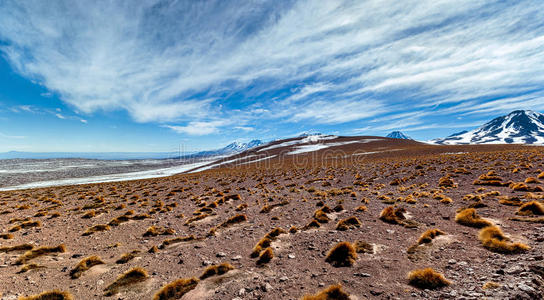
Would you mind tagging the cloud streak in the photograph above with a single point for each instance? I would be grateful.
(319, 62)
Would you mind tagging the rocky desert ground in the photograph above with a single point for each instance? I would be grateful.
(358, 218)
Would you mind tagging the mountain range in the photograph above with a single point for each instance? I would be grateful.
(517, 127)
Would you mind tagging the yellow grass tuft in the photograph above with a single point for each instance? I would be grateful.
(349, 223)
(531, 208)
(34, 253)
(216, 270)
(342, 254)
(429, 235)
(333, 292)
(84, 265)
(266, 256)
(50, 295)
(132, 276)
(96, 228)
(494, 240)
(427, 279)
(176, 289)
(469, 217)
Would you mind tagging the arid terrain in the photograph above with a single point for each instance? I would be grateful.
(271, 223)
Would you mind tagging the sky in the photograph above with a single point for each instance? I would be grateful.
(158, 75)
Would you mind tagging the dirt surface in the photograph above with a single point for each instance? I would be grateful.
(286, 192)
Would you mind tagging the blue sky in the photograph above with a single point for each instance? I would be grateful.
(151, 75)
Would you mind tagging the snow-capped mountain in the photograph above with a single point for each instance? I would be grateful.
(518, 127)
(233, 148)
(398, 135)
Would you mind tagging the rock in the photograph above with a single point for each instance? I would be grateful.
(284, 279)
(221, 254)
(237, 257)
(267, 287)
(242, 292)
(207, 263)
(291, 256)
(514, 270)
(452, 261)
(524, 287)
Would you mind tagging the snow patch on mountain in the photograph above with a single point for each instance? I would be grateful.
(518, 127)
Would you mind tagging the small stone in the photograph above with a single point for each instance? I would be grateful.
(284, 278)
(221, 254)
(207, 263)
(237, 257)
(452, 261)
(291, 256)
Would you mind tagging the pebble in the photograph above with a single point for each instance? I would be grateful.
(291, 256)
(284, 278)
(237, 257)
(221, 254)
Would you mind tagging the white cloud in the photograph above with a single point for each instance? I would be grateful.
(173, 62)
(198, 128)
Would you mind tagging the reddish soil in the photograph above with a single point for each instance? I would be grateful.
(293, 187)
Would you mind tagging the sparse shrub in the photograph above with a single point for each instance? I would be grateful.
(348, 223)
(216, 270)
(31, 254)
(158, 230)
(532, 180)
(333, 292)
(50, 295)
(429, 235)
(427, 279)
(469, 217)
(6, 236)
(321, 217)
(263, 243)
(446, 182)
(28, 267)
(96, 228)
(265, 256)
(312, 225)
(275, 233)
(531, 208)
(363, 247)
(126, 257)
(293, 229)
(177, 240)
(361, 208)
(84, 265)
(494, 240)
(132, 276)
(21, 247)
(342, 254)
(176, 289)
(392, 215)
(490, 285)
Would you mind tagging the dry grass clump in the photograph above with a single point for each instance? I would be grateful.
(469, 217)
(89, 214)
(342, 254)
(493, 239)
(490, 285)
(196, 218)
(333, 292)
(119, 220)
(230, 222)
(446, 182)
(528, 219)
(265, 256)
(28, 267)
(363, 247)
(6, 236)
(96, 228)
(50, 295)
(531, 208)
(393, 215)
(349, 223)
(520, 186)
(84, 265)
(429, 235)
(21, 247)
(126, 257)
(177, 240)
(312, 225)
(293, 229)
(361, 208)
(510, 201)
(34, 253)
(263, 243)
(158, 230)
(27, 224)
(321, 217)
(427, 279)
(132, 276)
(176, 289)
(216, 270)
(275, 233)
